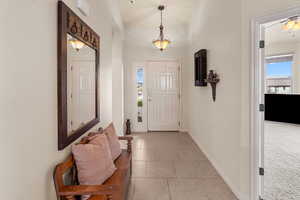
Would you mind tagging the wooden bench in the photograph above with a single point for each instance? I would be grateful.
(115, 188)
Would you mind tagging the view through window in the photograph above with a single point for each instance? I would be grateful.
(140, 97)
(279, 75)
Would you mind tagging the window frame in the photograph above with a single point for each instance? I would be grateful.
(289, 57)
(139, 126)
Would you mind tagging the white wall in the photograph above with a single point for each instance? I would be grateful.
(280, 48)
(215, 126)
(118, 82)
(296, 69)
(140, 55)
(28, 85)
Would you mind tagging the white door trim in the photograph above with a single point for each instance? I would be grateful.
(256, 97)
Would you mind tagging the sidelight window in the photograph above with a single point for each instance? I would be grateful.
(140, 96)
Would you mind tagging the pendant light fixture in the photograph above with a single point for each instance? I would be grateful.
(161, 43)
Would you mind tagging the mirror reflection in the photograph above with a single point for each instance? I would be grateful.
(81, 70)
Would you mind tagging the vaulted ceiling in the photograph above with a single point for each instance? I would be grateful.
(142, 19)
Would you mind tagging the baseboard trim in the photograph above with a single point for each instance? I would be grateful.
(220, 171)
(183, 130)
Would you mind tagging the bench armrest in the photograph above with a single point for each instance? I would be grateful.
(129, 142)
(75, 190)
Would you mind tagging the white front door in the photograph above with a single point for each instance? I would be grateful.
(163, 96)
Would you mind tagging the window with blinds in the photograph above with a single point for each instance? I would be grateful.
(279, 73)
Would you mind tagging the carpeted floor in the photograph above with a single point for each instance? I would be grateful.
(282, 161)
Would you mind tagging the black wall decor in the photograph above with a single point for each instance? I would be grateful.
(282, 108)
(200, 67)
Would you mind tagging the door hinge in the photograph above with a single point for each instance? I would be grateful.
(179, 124)
(261, 107)
(179, 96)
(261, 44)
(261, 171)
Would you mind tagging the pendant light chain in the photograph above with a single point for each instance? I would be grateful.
(161, 17)
(161, 27)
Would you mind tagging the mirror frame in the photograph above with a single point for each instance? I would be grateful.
(70, 23)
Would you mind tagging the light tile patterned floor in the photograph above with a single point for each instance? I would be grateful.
(169, 166)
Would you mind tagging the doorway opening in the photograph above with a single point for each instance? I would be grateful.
(275, 95)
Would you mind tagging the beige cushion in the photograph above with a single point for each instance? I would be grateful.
(113, 141)
(94, 162)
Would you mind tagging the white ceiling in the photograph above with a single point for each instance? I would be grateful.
(142, 20)
(275, 34)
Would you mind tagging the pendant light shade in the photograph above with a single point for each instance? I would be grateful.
(161, 43)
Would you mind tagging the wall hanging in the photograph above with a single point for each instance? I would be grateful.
(213, 79)
(200, 68)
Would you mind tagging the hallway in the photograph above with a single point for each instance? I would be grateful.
(170, 166)
(84, 66)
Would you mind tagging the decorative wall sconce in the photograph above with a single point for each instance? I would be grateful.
(213, 79)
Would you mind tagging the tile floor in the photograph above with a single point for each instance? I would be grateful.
(169, 166)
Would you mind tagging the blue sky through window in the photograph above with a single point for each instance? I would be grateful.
(279, 69)
(140, 75)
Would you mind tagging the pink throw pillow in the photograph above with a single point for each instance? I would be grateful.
(113, 141)
(94, 162)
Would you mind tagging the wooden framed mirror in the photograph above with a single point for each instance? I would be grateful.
(78, 68)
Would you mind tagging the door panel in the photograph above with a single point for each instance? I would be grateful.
(163, 96)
